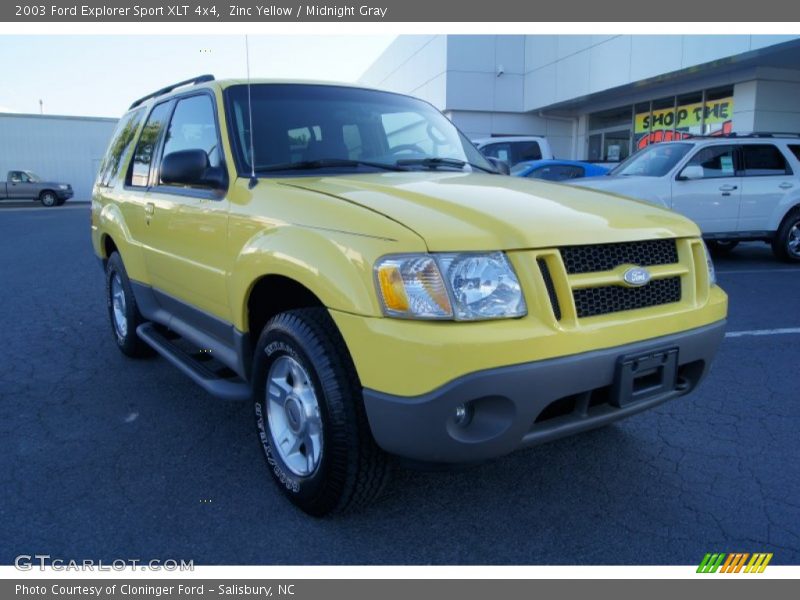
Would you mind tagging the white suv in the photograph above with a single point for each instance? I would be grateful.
(735, 188)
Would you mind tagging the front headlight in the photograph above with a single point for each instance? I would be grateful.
(63, 187)
(465, 286)
(712, 272)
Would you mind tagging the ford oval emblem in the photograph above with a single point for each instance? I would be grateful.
(636, 276)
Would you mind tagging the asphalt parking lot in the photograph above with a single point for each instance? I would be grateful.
(105, 458)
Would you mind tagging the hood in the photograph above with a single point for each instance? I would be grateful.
(649, 189)
(615, 183)
(469, 211)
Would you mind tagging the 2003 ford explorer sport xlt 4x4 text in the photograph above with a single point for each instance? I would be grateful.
(346, 259)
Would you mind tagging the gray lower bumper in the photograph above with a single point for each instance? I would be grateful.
(523, 405)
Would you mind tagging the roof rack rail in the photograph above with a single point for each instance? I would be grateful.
(169, 88)
(774, 134)
(752, 134)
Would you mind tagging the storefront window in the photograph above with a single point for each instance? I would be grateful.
(665, 119)
(689, 114)
(617, 145)
(610, 139)
(718, 112)
(641, 115)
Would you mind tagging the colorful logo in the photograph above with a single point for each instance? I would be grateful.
(734, 562)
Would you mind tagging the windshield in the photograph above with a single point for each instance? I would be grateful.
(654, 161)
(312, 127)
(32, 177)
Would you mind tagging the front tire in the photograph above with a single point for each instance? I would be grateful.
(48, 198)
(123, 313)
(310, 416)
(786, 244)
(721, 247)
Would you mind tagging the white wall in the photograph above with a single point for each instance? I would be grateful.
(494, 85)
(64, 149)
(777, 107)
(412, 64)
(563, 67)
(478, 80)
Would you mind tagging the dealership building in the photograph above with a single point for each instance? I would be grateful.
(600, 97)
(56, 148)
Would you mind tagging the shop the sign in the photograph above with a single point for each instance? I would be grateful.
(688, 116)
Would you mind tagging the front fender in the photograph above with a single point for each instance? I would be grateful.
(336, 266)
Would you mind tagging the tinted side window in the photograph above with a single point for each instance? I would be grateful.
(716, 161)
(795, 148)
(121, 143)
(557, 172)
(523, 151)
(499, 151)
(193, 127)
(147, 144)
(763, 159)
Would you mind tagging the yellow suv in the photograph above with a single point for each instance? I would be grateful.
(347, 261)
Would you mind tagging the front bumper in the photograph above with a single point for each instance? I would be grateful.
(64, 194)
(531, 403)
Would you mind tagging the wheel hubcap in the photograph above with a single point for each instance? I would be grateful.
(293, 416)
(49, 199)
(793, 242)
(118, 306)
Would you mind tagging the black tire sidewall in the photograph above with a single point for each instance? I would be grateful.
(783, 236)
(722, 247)
(318, 493)
(130, 343)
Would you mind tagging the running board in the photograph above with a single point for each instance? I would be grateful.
(224, 388)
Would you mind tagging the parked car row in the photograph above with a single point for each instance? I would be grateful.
(736, 188)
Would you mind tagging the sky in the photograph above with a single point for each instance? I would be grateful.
(101, 75)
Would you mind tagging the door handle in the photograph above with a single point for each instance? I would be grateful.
(728, 188)
(149, 209)
(786, 185)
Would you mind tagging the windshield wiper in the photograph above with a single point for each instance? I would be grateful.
(324, 163)
(435, 162)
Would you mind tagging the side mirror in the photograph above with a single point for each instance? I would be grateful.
(691, 172)
(191, 167)
(500, 166)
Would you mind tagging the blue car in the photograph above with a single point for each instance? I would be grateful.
(557, 170)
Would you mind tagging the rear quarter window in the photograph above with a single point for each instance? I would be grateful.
(119, 148)
(146, 146)
(525, 151)
(764, 160)
(795, 149)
